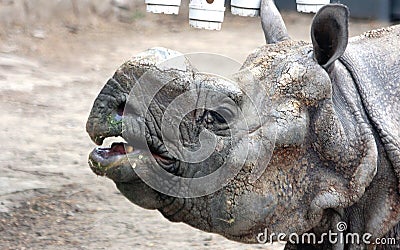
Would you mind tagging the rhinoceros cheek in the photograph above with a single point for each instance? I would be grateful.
(247, 212)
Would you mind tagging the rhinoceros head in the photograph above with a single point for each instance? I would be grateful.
(265, 149)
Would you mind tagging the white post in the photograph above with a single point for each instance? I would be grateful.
(310, 6)
(163, 6)
(206, 14)
(249, 8)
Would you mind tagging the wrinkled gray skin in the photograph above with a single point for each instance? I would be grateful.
(337, 153)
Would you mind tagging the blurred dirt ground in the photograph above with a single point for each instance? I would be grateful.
(51, 69)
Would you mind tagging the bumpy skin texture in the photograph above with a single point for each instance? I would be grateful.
(337, 152)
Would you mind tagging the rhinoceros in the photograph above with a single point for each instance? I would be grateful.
(324, 146)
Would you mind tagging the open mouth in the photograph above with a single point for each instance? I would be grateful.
(117, 148)
(130, 150)
(104, 159)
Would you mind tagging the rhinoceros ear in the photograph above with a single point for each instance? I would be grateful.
(329, 33)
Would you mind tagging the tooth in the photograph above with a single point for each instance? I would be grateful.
(129, 149)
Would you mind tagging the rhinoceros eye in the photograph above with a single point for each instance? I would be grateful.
(218, 117)
(217, 122)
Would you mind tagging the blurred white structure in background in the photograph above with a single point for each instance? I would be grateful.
(206, 14)
(163, 6)
(249, 8)
(209, 14)
(310, 6)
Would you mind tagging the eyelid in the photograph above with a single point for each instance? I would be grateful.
(225, 113)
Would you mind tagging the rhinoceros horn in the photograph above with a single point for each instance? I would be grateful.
(272, 22)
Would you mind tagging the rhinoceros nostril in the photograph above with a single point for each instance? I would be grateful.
(121, 108)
